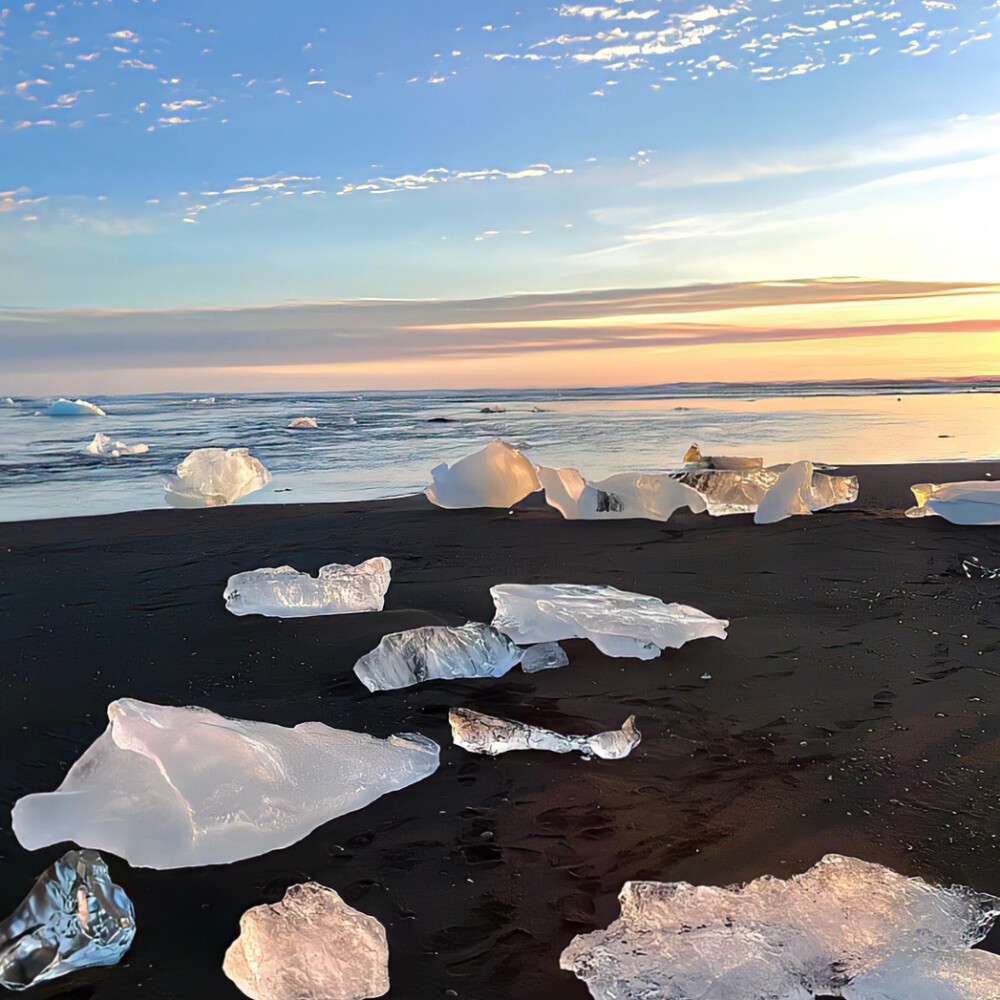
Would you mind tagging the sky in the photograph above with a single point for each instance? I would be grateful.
(305, 194)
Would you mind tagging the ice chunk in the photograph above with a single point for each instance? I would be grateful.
(444, 652)
(495, 476)
(310, 946)
(75, 917)
(487, 734)
(7, 401)
(627, 495)
(63, 407)
(303, 424)
(214, 477)
(286, 593)
(174, 787)
(105, 447)
(617, 622)
(973, 502)
(975, 570)
(693, 456)
(800, 490)
(845, 928)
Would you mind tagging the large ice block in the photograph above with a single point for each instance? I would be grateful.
(175, 787)
(627, 495)
(75, 917)
(495, 476)
(444, 652)
(975, 502)
(844, 928)
(214, 477)
(284, 592)
(617, 622)
(105, 447)
(310, 946)
(487, 734)
(63, 407)
(801, 490)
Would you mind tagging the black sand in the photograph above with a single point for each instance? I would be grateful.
(853, 709)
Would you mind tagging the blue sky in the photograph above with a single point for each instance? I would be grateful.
(167, 154)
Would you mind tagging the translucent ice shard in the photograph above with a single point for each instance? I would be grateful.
(627, 495)
(174, 787)
(495, 476)
(75, 917)
(284, 592)
(975, 502)
(975, 570)
(63, 407)
(693, 456)
(442, 652)
(617, 622)
(490, 735)
(800, 490)
(105, 447)
(303, 424)
(845, 928)
(214, 477)
(310, 946)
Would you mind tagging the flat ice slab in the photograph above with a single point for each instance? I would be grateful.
(214, 477)
(844, 928)
(309, 946)
(444, 652)
(487, 734)
(617, 622)
(63, 407)
(495, 476)
(175, 787)
(105, 447)
(284, 592)
(975, 502)
(303, 424)
(74, 918)
(653, 496)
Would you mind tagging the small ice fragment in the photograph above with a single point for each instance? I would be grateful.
(310, 946)
(104, 447)
(75, 917)
(974, 570)
(303, 424)
(543, 656)
(176, 787)
(487, 734)
(495, 476)
(63, 407)
(617, 622)
(7, 401)
(973, 502)
(693, 456)
(844, 928)
(628, 495)
(284, 592)
(444, 652)
(214, 477)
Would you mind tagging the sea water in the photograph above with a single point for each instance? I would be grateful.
(374, 445)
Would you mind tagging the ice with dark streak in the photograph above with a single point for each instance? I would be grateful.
(617, 622)
(74, 918)
(215, 477)
(284, 592)
(170, 787)
(490, 735)
(845, 928)
(446, 652)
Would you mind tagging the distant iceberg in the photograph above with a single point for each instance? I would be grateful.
(284, 592)
(63, 407)
(104, 447)
(495, 476)
(975, 502)
(7, 401)
(214, 477)
(303, 424)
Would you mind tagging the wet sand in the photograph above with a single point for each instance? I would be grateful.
(853, 709)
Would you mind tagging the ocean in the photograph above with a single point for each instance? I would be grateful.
(374, 445)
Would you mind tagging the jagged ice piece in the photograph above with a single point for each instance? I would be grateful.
(105, 447)
(175, 787)
(693, 456)
(973, 502)
(75, 917)
(214, 477)
(284, 592)
(310, 946)
(490, 735)
(617, 622)
(495, 476)
(844, 928)
(63, 407)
